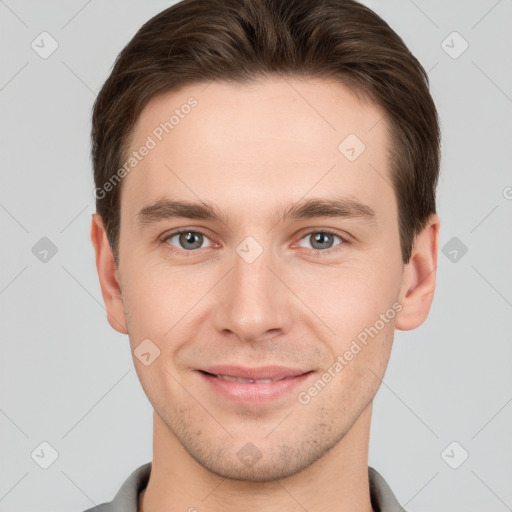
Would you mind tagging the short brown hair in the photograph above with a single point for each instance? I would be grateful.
(242, 40)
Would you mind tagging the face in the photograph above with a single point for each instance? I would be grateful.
(296, 259)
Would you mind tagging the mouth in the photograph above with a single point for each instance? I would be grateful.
(253, 385)
(241, 379)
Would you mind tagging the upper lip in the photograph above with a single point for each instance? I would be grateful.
(263, 372)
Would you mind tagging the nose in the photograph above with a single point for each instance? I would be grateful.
(254, 303)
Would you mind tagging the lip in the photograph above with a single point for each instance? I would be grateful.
(284, 381)
(263, 372)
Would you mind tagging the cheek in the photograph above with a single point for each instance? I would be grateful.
(156, 298)
(359, 363)
(349, 297)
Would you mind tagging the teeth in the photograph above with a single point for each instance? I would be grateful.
(238, 379)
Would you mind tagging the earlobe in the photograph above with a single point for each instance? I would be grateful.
(419, 278)
(107, 273)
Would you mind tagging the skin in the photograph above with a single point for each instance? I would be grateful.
(250, 149)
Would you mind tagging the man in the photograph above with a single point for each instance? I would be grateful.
(265, 178)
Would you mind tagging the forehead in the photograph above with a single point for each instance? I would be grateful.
(250, 145)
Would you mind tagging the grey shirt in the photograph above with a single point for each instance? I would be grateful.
(127, 498)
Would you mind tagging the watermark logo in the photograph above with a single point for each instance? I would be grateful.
(351, 147)
(454, 455)
(146, 352)
(249, 455)
(249, 249)
(454, 249)
(157, 135)
(44, 250)
(44, 45)
(305, 397)
(44, 455)
(454, 45)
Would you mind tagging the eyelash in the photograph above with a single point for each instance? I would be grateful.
(326, 252)
(315, 252)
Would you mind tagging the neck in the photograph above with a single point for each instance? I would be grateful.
(338, 481)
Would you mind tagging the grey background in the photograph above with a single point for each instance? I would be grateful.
(68, 379)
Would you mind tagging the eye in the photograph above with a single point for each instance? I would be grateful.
(187, 240)
(322, 240)
(190, 241)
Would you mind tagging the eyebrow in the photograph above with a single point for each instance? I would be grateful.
(164, 209)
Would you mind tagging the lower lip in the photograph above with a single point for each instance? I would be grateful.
(253, 392)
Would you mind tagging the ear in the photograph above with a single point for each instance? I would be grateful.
(108, 275)
(419, 278)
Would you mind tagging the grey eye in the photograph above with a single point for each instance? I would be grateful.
(188, 240)
(320, 239)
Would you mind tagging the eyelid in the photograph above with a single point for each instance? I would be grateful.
(331, 231)
(345, 239)
(165, 237)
